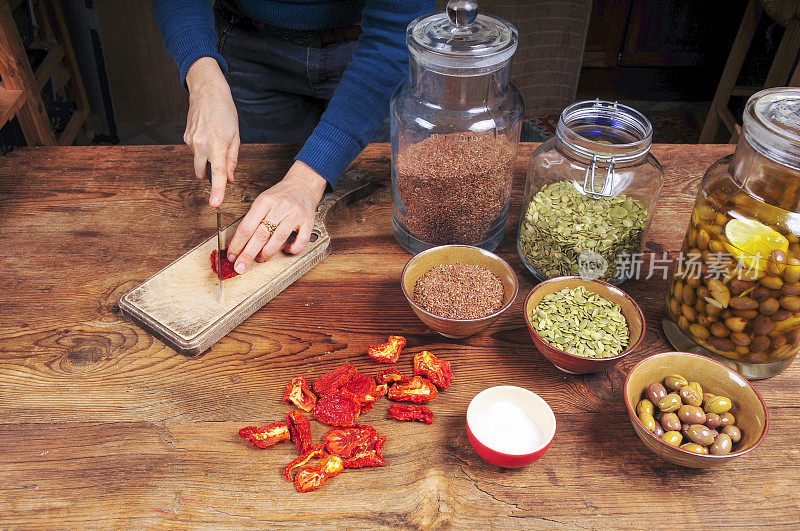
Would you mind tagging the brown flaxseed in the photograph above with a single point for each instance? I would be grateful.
(459, 291)
(453, 186)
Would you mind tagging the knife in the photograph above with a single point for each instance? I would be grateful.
(219, 240)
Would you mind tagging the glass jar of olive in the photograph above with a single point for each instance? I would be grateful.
(590, 194)
(735, 292)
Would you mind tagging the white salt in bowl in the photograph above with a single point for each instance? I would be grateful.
(510, 426)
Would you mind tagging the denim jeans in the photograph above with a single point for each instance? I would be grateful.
(281, 89)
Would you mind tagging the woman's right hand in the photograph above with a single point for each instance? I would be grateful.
(212, 126)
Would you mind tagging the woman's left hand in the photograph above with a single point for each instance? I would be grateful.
(288, 206)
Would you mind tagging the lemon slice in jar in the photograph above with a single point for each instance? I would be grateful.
(752, 242)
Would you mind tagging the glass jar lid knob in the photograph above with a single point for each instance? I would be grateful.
(462, 12)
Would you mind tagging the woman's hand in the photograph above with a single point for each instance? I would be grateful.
(290, 205)
(212, 126)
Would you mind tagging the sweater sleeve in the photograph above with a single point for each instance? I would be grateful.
(361, 101)
(188, 30)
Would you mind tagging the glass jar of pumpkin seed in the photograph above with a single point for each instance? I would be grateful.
(590, 194)
(735, 291)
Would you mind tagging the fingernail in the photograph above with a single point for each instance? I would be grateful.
(239, 268)
(214, 201)
(231, 257)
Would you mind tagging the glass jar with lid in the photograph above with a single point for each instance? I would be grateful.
(455, 127)
(590, 194)
(735, 292)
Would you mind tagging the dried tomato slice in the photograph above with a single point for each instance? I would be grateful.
(331, 466)
(331, 382)
(389, 376)
(265, 436)
(360, 387)
(337, 410)
(309, 478)
(315, 451)
(300, 429)
(438, 371)
(298, 393)
(389, 352)
(227, 266)
(377, 392)
(345, 442)
(409, 412)
(371, 455)
(418, 390)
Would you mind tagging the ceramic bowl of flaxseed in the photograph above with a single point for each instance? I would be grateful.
(458, 290)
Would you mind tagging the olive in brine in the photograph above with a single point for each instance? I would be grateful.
(690, 396)
(672, 437)
(648, 421)
(696, 386)
(718, 405)
(691, 414)
(694, 448)
(670, 403)
(727, 419)
(645, 406)
(722, 445)
(675, 382)
(733, 432)
(700, 434)
(713, 421)
(655, 392)
(670, 422)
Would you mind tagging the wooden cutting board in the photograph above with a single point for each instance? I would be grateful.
(180, 304)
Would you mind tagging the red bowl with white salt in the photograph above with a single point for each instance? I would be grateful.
(510, 426)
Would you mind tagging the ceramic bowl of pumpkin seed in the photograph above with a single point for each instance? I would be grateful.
(583, 325)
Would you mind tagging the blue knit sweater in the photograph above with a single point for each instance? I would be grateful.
(360, 102)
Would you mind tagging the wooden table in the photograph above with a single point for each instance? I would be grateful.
(102, 425)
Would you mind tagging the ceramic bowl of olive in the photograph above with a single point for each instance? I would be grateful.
(458, 290)
(583, 325)
(693, 411)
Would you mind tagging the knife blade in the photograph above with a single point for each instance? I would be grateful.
(219, 239)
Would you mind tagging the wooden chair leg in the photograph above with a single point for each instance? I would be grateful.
(785, 56)
(17, 75)
(744, 37)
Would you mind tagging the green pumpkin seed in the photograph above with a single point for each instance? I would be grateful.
(581, 322)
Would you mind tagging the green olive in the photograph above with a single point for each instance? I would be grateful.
(733, 432)
(672, 437)
(694, 448)
(713, 420)
(722, 445)
(727, 419)
(648, 421)
(691, 414)
(645, 406)
(718, 405)
(696, 386)
(691, 396)
(700, 434)
(670, 403)
(655, 392)
(670, 422)
(707, 397)
(675, 382)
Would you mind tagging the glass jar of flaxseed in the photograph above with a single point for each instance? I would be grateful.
(455, 128)
(735, 292)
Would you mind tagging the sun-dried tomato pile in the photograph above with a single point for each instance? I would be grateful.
(338, 398)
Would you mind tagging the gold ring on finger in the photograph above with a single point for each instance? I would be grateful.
(271, 227)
